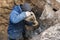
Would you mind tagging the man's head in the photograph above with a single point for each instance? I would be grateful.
(26, 7)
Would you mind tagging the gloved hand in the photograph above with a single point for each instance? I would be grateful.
(31, 18)
(28, 14)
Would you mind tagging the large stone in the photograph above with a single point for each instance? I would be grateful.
(47, 13)
(50, 15)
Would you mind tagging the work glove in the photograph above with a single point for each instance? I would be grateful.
(28, 14)
(31, 18)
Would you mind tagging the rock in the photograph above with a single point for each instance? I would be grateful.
(18, 2)
(50, 15)
(47, 13)
(58, 15)
(54, 3)
(52, 33)
(47, 18)
(36, 38)
(5, 9)
(6, 4)
(39, 3)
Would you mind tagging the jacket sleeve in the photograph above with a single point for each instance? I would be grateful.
(16, 16)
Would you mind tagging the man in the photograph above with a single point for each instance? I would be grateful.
(17, 21)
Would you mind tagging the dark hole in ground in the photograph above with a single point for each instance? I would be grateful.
(54, 9)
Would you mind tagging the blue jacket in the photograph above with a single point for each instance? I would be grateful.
(16, 22)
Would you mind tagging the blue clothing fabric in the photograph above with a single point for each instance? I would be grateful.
(16, 23)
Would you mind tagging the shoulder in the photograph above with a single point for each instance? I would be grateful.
(17, 8)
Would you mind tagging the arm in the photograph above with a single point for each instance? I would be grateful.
(17, 15)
